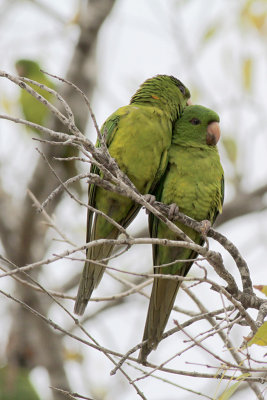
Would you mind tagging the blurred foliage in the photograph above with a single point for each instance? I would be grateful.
(247, 69)
(211, 31)
(231, 148)
(72, 355)
(229, 391)
(32, 109)
(254, 14)
(16, 385)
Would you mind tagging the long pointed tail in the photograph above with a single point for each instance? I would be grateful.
(161, 303)
(91, 275)
(92, 272)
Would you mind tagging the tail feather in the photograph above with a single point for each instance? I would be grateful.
(92, 273)
(161, 303)
(91, 276)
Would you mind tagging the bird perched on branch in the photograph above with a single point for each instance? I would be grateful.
(194, 180)
(138, 138)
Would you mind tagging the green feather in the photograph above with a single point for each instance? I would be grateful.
(194, 181)
(138, 137)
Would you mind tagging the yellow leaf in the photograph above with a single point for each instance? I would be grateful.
(258, 21)
(254, 13)
(247, 73)
(260, 337)
(230, 391)
(71, 355)
(262, 288)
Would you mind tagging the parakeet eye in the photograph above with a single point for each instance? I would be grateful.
(182, 89)
(195, 121)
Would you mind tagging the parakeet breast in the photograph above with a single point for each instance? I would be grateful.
(198, 173)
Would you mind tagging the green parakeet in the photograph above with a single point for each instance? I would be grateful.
(138, 137)
(36, 112)
(194, 181)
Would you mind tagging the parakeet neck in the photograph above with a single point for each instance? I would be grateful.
(157, 96)
(193, 147)
(151, 99)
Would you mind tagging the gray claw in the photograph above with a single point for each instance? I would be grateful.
(205, 226)
(173, 211)
(150, 198)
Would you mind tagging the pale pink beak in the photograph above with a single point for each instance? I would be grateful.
(189, 102)
(213, 133)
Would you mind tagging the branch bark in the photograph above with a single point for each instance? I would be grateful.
(25, 242)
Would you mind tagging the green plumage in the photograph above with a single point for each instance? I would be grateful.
(194, 181)
(138, 137)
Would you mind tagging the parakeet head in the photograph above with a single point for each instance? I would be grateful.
(198, 126)
(27, 68)
(165, 92)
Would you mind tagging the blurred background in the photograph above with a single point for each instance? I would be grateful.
(108, 48)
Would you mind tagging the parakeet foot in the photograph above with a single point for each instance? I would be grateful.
(173, 211)
(205, 226)
(150, 198)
